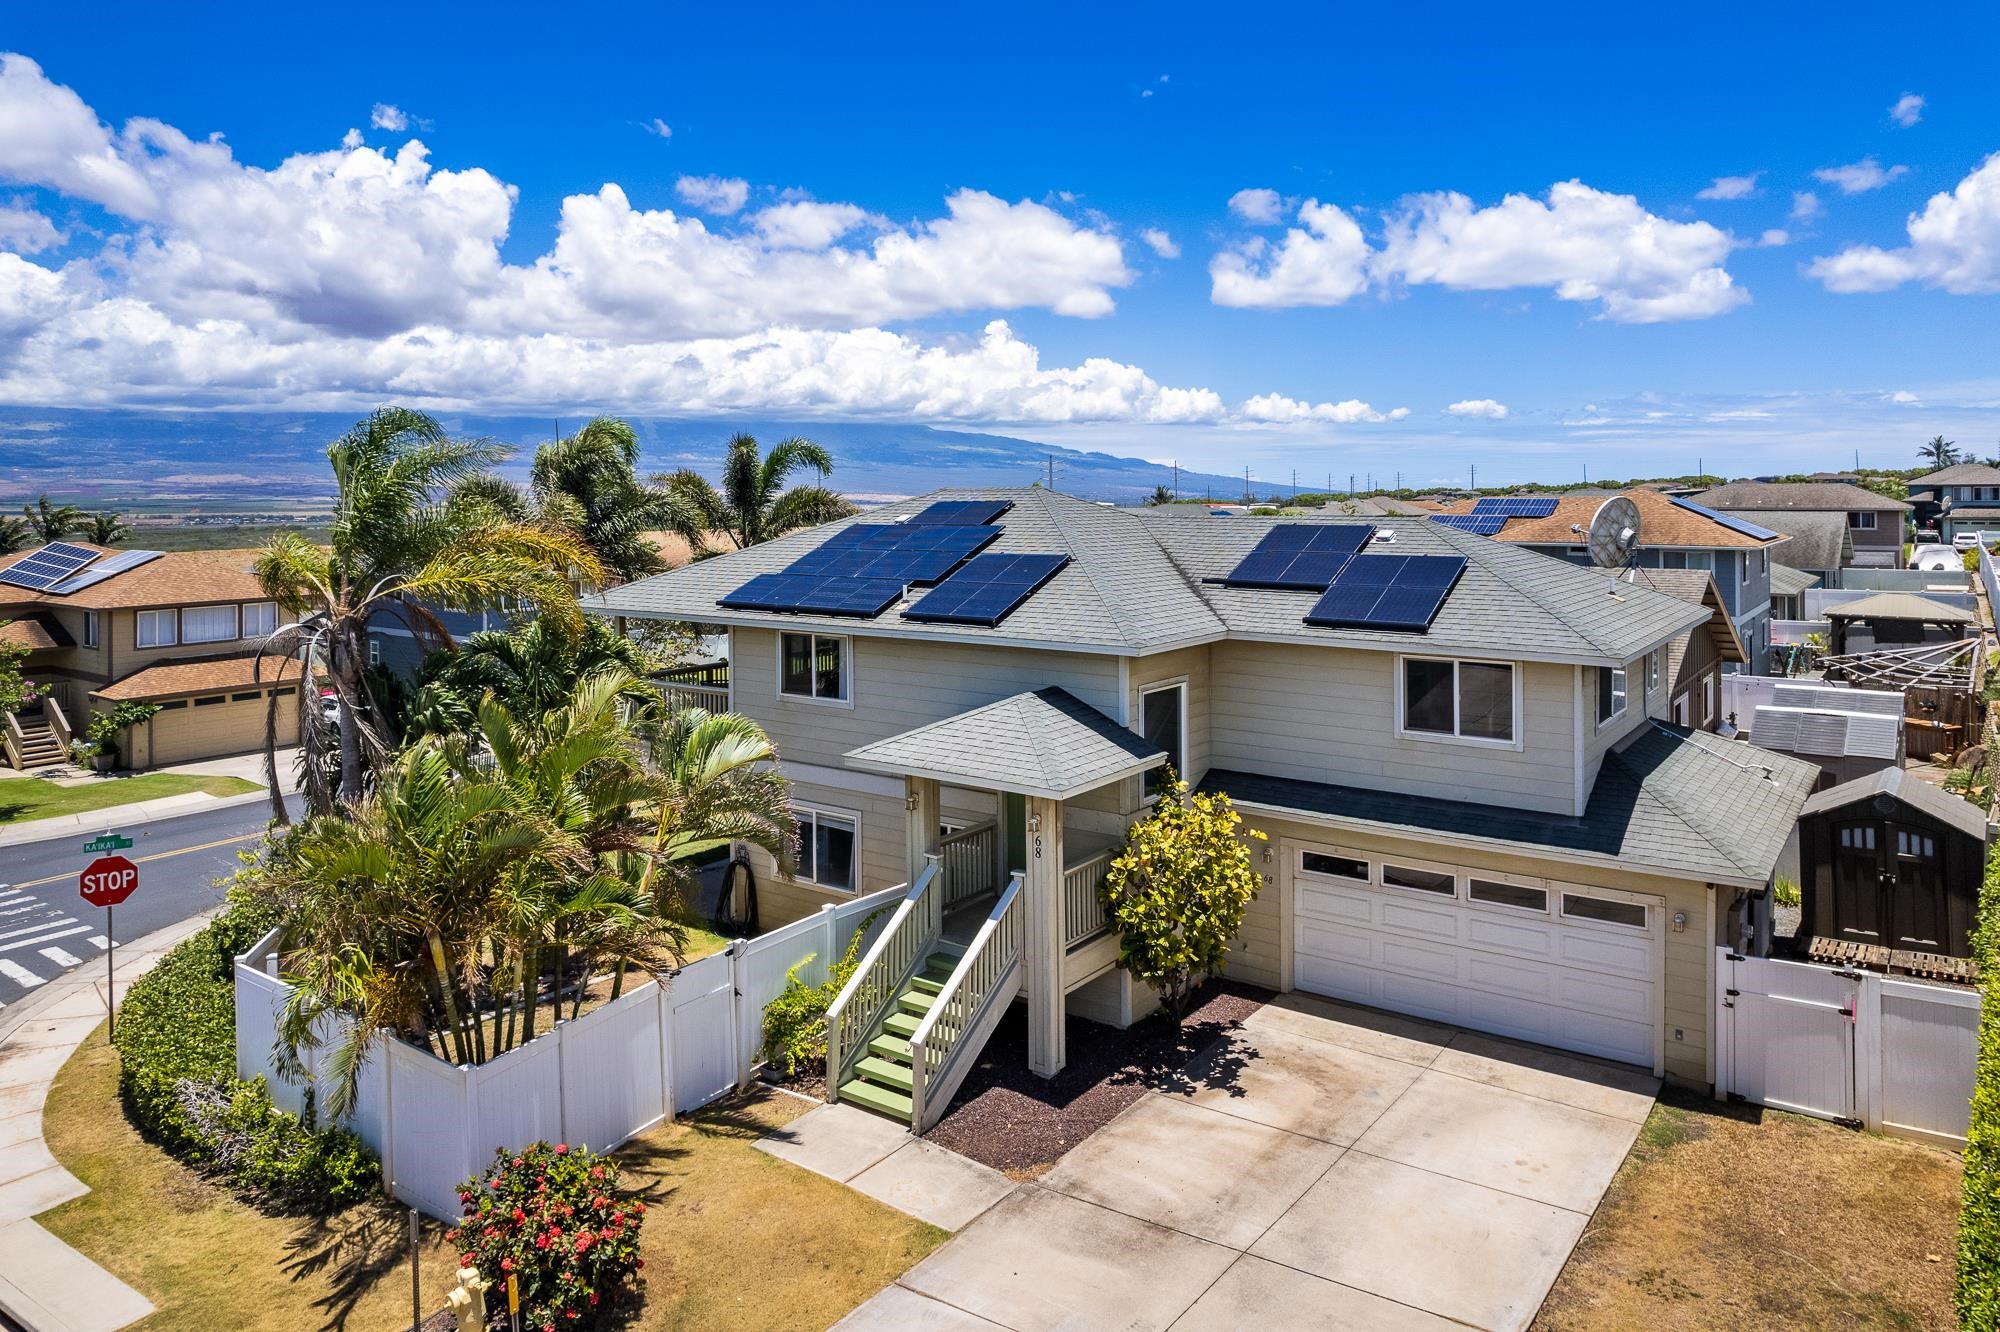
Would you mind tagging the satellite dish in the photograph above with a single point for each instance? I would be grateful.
(1614, 533)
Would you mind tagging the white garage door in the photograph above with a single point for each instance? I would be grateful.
(1559, 964)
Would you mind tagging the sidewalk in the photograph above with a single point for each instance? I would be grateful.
(45, 1285)
(247, 766)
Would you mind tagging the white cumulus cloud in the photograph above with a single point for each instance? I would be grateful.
(1277, 409)
(658, 128)
(386, 116)
(1257, 206)
(1774, 236)
(805, 225)
(1954, 244)
(25, 231)
(722, 195)
(1160, 243)
(1908, 110)
(1860, 177)
(1806, 206)
(1731, 187)
(1481, 408)
(1904, 398)
(1324, 261)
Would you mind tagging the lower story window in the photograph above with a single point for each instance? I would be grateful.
(1339, 867)
(827, 847)
(1603, 909)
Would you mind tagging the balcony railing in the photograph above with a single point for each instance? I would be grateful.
(969, 863)
(897, 952)
(1083, 910)
(963, 1013)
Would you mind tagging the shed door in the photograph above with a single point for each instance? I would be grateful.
(1918, 917)
(1857, 883)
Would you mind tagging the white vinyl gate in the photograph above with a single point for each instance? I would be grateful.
(1857, 1047)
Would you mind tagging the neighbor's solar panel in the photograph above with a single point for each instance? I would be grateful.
(959, 513)
(1733, 524)
(44, 568)
(1479, 524)
(987, 590)
(1402, 592)
(1529, 506)
(103, 569)
(1299, 556)
(812, 594)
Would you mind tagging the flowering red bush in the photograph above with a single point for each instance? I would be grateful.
(554, 1217)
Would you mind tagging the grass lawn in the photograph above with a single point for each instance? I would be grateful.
(24, 798)
(734, 1239)
(1739, 1216)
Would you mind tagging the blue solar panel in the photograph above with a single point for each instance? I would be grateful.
(987, 590)
(908, 554)
(1299, 556)
(43, 569)
(1479, 524)
(811, 594)
(1402, 592)
(1530, 506)
(1348, 537)
(1733, 524)
(959, 513)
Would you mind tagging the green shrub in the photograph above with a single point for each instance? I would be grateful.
(1978, 1293)
(177, 1072)
(795, 1033)
(556, 1218)
(1785, 892)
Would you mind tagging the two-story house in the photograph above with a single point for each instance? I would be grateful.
(1673, 534)
(1964, 497)
(1459, 749)
(1875, 522)
(180, 629)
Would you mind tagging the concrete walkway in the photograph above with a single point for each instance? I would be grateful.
(249, 767)
(883, 1160)
(1323, 1167)
(45, 1285)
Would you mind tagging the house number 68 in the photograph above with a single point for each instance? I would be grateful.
(1038, 846)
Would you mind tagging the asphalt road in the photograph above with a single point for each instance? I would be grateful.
(47, 930)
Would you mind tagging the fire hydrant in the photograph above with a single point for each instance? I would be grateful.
(468, 1302)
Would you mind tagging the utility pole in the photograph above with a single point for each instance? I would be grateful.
(1177, 478)
(1350, 485)
(1247, 496)
(1295, 485)
(1475, 476)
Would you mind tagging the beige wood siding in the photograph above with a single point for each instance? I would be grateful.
(1191, 664)
(1329, 715)
(1600, 740)
(880, 855)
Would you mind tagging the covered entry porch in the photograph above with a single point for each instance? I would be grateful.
(1002, 909)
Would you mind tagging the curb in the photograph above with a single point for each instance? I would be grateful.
(139, 811)
(51, 1287)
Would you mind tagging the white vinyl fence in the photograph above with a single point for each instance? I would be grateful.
(1853, 1046)
(661, 1049)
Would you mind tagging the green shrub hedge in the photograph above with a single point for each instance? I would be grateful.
(1979, 1206)
(177, 1072)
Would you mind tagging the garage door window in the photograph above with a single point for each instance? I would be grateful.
(1507, 895)
(1463, 700)
(1421, 880)
(1603, 909)
(1337, 867)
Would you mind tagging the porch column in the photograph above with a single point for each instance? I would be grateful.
(1042, 936)
(920, 798)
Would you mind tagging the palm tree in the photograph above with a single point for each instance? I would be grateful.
(395, 543)
(51, 522)
(104, 529)
(1161, 495)
(13, 535)
(753, 505)
(532, 670)
(1939, 452)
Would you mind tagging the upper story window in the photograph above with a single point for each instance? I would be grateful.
(1610, 692)
(1862, 522)
(260, 619)
(1163, 722)
(208, 624)
(1460, 700)
(90, 629)
(813, 666)
(1653, 670)
(157, 628)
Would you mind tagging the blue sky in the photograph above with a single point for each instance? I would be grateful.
(843, 208)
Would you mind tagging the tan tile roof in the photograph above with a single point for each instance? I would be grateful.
(1661, 523)
(199, 675)
(177, 578)
(34, 632)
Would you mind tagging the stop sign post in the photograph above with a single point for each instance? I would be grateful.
(105, 882)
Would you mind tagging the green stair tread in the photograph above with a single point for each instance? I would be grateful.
(885, 1072)
(890, 1047)
(902, 1024)
(879, 1099)
(928, 984)
(915, 1001)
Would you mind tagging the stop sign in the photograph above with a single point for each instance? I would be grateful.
(108, 881)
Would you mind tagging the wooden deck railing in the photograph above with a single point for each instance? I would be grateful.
(709, 698)
(967, 858)
(1083, 911)
(984, 976)
(52, 713)
(898, 950)
(13, 740)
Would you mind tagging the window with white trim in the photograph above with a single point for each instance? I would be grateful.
(1610, 692)
(1463, 700)
(208, 624)
(1334, 867)
(1163, 724)
(1654, 662)
(813, 666)
(260, 619)
(90, 629)
(828, 845)
(156, 629)
(1861, 522)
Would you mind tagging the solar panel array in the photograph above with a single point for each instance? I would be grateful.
(1300, 556)
(1733, 524)
(43, 569)
(987, 590)
(1387, 592)
(1530, 506)
(107, 567)
(894, 551)
(1479, 524)
(959, 513)
(815, 594)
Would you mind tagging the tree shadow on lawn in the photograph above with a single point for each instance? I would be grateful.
(354, 1250)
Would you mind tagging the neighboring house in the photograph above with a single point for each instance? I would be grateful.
(1788, 589)
(179, 629)
(1821, 543)
(1961, 498)
(1875, 522)
(1695, 659)
(1481, 817)
(1673, 534)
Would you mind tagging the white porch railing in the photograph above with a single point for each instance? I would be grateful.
(967, 859)
(709, 698)
(982, 983)
(1083, 911)
(898, 951)
(52, 712)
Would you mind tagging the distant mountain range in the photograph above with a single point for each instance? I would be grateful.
(229, 462)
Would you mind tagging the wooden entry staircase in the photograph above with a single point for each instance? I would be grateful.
(908, 1026)
(37, 741)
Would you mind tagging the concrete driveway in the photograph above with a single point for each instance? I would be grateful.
(1324, 1167)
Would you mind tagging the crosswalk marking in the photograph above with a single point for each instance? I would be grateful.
(19, 974)
(49, 937)
(62, 958)
(99, 942)
(30, 929)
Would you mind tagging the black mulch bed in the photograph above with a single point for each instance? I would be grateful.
(1012, 1120)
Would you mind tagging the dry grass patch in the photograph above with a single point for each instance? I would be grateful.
(1738, 1216)
(734, 1238)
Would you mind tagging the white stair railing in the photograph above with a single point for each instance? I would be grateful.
(897, 952)
(59, 724)
(949, 1037)
(967, 859)
(1083, 909)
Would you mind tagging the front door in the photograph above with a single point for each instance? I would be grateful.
(1858, 878)
(1917, 916)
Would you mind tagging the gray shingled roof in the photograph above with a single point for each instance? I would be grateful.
(1819, 539)
(1789, 582)
(1900, 606)
(1047, 743)
(1915, 792)
(1687, 804)
(1960, 474)
(1797, 496)
(1135, 585)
